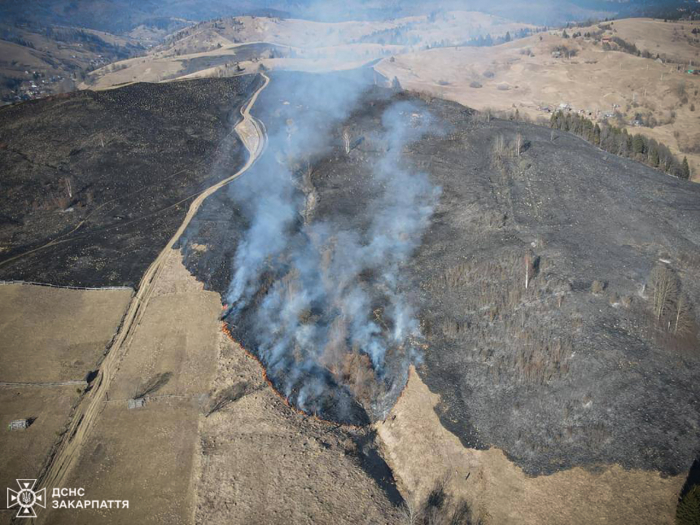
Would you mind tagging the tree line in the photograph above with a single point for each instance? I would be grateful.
(619, 142)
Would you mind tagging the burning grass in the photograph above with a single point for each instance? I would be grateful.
(226, 330)
(320, 300)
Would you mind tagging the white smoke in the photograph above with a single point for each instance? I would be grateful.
(330, 336)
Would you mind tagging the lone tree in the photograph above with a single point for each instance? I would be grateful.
(688, 511)
(654, 157)
(346, 140)
(518, 144)
(529, 270)
(682, 322)
(665, 288)
(685, 169)
(227, 396)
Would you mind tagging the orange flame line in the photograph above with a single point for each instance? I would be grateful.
(225, 329)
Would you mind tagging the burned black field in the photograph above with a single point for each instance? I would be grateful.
(108, 176)
(534, 284)
(545, 289)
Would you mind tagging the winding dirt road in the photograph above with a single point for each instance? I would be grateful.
(66, 453)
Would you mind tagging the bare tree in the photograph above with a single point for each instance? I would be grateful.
(683, 316)
(499, 145)
(518, 144)
(665, 288)
(529, 270)
(680, 89)
(227, 396)
(69, 187)
(346, 140)
(154, 384)
(410, 514)
(439, 508)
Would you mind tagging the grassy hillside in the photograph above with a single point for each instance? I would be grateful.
(588, 72)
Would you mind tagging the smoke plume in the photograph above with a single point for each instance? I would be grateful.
(322, 302)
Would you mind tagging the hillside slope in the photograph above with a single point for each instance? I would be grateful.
(584, 74)
(536, 283)
(554, 287)
(120, 172)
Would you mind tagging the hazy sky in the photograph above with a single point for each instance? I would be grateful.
(123, 15)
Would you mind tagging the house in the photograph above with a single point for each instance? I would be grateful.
(139, 402)
(18, 424)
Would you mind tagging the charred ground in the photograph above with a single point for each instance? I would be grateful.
(108, 176)
(569, 368)
(572, 368)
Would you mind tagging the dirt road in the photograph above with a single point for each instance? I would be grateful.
(67, 451)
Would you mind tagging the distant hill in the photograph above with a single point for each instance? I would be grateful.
(121, 16)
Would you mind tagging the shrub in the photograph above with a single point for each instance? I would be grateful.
(439, 509)
(475, 85)
(665, 288)
(597, 287)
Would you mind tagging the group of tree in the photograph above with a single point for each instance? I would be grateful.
(565, 51)
(619, 142)
(396, 36)
(488, 40)
(626, 46)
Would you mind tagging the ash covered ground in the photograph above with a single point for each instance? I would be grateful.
(532, 282)
(523, 287)
(108, 176)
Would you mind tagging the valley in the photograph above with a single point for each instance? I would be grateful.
(440, 267)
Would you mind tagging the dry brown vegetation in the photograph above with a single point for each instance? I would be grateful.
(420, 450)
(597, 287)
(605, 83)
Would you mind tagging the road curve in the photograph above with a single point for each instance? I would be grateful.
(65, 454)
(68, 236)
